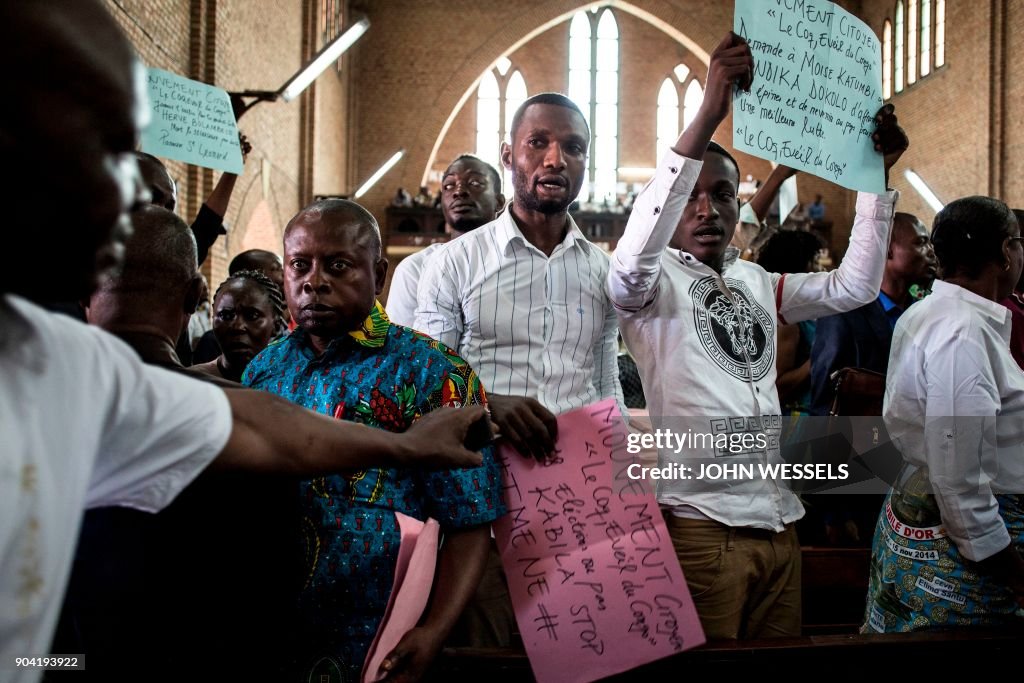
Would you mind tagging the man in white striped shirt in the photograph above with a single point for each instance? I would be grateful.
(523, 298)
(470, 197)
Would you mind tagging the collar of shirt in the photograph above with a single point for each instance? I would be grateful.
(372, 333)
(999, 314)
(732, 254)
(892, 309)
(508, 232)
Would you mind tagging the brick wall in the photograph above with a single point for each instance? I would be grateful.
(414, 72)
(250, 45)
(948, 113)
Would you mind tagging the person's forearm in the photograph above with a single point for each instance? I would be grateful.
(856, 282)
(693, 142)
(762, 200)
(463, 557)
(221, 196)
(270, 434)
(636, 263)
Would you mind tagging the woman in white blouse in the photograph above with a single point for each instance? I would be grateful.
(948, 543)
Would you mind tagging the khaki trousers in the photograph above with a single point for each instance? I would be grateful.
(745, 582)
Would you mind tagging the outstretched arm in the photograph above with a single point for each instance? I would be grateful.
(270, 434)
(805, 296)
(209, 223)
(762, 200)
(636, 264)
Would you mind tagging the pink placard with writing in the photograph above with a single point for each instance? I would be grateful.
(595, 583)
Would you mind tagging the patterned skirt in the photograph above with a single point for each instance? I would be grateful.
(919, 580)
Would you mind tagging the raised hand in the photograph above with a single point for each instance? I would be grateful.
(889, 139)
(731, 66)
(245, 145)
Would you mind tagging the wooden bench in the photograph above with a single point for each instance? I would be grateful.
(829, 658)
(835, 585)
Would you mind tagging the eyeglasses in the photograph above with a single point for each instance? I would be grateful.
(1019, 238)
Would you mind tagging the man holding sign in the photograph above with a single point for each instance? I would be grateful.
(702, 327)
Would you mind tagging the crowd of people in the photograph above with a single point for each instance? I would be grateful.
(235, 490)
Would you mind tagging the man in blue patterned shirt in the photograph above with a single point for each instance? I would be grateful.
(346, 359)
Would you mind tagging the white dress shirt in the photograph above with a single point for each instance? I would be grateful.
(705, 343)
(954, 403)
(529, 324)
(405, 281)
(84, 424)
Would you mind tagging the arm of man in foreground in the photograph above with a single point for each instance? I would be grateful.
(271, 434)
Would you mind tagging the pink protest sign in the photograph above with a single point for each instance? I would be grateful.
(595, 583)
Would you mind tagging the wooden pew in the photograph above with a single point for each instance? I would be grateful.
(831, 658)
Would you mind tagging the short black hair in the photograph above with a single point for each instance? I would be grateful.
(160, 255)
(968, 234)
(718, 149)
(789, 251)
(253, 259)
(495, 176)
(557, 99)
(332, 207)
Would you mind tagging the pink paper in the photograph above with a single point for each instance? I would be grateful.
(414, 577)
(595, 582)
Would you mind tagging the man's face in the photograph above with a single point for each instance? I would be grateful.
(911, 257)
(709, 217)
(332, 276)
(548, 158)
(243, 321)
(468, 196)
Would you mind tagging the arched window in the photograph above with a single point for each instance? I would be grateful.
(501, 91)
(681, 86)
(515, 95)
(691, 102)
(886, 60)
(898, 55)
(911, 41)
(668, 116)
(926, 37)
(594, 86)
(940, 32)
(488, 118)
(606, 116)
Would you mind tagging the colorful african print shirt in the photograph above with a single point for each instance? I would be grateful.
(385, 376)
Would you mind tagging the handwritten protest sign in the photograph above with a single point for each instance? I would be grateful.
(817, 86)
(596, 585)
(192, 122)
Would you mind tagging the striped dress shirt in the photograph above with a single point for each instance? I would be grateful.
(529, 324)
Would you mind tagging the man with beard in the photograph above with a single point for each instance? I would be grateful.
(470, 197)
(522, 298)
(701, 324)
